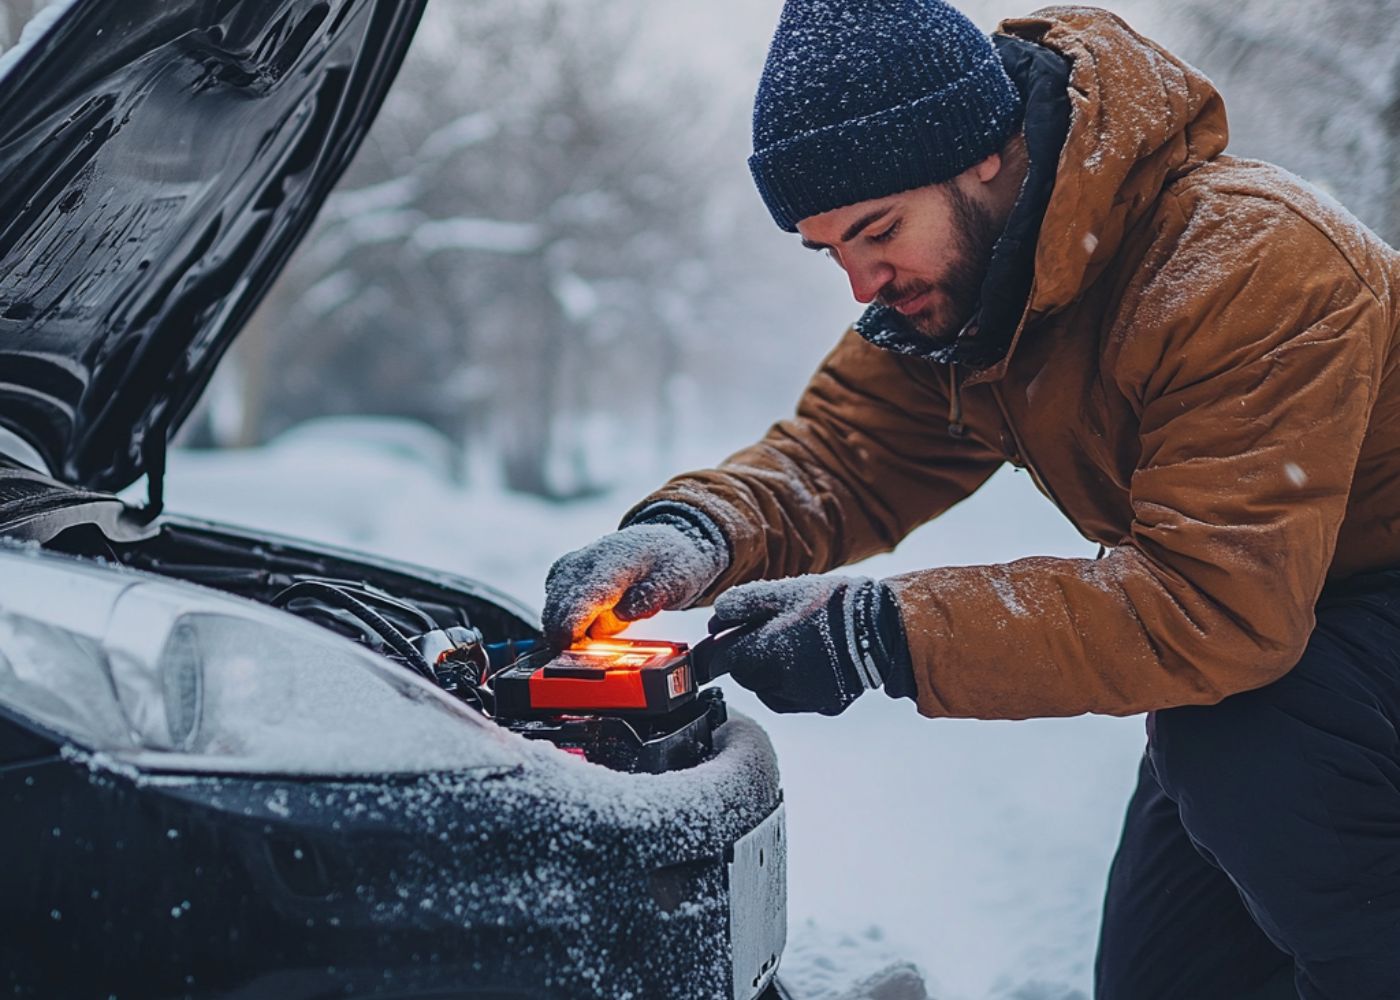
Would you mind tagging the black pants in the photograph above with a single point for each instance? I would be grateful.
(1261, 853)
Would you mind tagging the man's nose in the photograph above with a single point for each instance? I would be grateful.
(867, 278)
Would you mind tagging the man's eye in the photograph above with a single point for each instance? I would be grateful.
(886, 236)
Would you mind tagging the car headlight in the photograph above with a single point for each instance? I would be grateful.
(173, 677)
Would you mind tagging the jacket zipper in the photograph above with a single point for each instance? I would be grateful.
(1025, 455)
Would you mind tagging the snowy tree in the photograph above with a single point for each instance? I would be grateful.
(516, 252)
(1313, 87)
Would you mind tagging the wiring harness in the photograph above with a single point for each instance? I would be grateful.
(455, 657)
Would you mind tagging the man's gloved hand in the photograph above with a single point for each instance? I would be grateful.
(815, 643)
(661, 561)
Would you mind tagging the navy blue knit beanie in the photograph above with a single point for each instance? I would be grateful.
(866, 98)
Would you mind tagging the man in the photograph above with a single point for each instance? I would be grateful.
(1195, 358)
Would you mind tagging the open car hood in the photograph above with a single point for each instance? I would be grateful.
(161, 159)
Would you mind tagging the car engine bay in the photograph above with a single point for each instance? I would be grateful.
(446, 631)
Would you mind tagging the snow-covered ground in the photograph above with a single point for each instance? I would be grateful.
(975, 851)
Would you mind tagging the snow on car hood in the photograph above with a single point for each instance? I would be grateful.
(91, 650)
(162, 158)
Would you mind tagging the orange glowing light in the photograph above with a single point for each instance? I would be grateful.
(624, 646)
(622, 654)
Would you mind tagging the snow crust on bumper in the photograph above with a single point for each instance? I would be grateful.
(553, 877)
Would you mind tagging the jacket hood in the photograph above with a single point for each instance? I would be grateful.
(1139, 119)
(162, 158)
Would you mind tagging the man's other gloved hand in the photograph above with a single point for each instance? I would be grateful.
(661, 561)
(815, 643)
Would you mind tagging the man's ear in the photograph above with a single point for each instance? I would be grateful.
(987, 170)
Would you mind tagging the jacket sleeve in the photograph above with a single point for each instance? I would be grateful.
(1250, 354)
(866, 459)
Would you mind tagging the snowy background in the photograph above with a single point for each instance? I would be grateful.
(547, 284)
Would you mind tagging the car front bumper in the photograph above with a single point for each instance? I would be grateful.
(552, 879)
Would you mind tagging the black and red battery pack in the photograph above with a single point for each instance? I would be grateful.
(598, 677)
(629, 704)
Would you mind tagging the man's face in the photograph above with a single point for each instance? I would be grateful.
(924, 253)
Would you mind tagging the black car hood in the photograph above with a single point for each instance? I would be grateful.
(160, 161)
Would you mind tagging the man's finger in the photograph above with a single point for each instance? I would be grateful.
(642, 600)
(719, 623)
(750, 604)
(605, 623)
(562, 633)
(570, 622)
(761, 599)
(747, 661)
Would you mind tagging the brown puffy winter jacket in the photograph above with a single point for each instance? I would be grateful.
(1204, 381)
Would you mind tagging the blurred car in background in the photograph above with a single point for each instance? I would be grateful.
(240, 765)
(397, 439)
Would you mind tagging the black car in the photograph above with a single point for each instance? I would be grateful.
(239, 765)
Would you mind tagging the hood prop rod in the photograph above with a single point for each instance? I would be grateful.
(153, 450)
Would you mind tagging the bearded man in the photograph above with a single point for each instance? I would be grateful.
(1194, 356)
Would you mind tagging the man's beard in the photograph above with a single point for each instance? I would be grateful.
(959, 294)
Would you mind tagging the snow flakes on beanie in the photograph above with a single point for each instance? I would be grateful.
(866, 98)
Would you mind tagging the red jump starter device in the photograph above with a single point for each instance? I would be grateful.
(628, 677)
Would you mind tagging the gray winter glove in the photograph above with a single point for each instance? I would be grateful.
(662, 560)
(813, 643)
